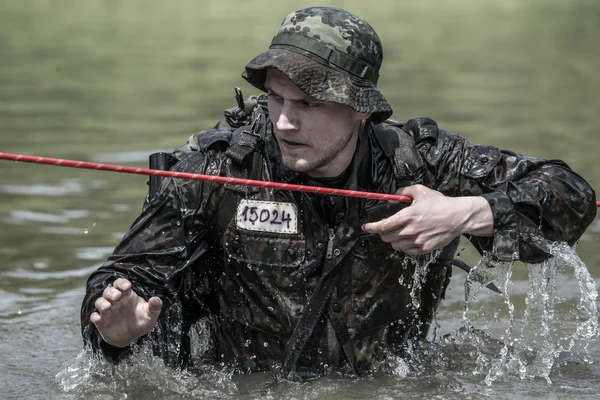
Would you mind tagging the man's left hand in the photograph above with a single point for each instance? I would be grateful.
(433, 220)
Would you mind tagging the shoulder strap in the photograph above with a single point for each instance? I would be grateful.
(246, 154)
(248, 141)
(399, 147)
(305, 327)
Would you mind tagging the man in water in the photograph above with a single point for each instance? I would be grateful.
(306, 282)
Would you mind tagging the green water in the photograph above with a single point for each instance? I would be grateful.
(113, 81)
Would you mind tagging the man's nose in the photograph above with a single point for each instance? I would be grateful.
(287, 119)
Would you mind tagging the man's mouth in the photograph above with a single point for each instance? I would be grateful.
(291, 144)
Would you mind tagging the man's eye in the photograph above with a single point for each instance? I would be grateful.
(275, 97)
(309, 104)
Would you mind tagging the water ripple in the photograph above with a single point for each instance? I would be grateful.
(42, 275)
(94, 253)
(123, 157)
(60, 189)
(63, 217)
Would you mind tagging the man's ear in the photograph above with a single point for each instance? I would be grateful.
(363, 116)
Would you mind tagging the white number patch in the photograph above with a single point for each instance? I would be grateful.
(267, 216)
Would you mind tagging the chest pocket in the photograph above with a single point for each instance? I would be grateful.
(264, 248)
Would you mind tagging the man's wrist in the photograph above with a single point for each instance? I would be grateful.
(480, 220)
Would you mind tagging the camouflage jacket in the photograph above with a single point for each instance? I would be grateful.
(252, 284)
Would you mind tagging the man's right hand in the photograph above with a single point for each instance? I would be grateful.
(122, 315)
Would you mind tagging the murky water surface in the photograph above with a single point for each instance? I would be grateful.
(113, 81)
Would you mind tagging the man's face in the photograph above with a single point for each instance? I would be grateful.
(315, 137)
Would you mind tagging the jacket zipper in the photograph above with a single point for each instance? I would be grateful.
(330, 244)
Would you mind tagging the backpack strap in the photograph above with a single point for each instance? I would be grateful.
(399, 147)
(305, 327)
(248, 141)
(247, 161)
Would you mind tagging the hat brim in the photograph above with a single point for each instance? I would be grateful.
(324, 82)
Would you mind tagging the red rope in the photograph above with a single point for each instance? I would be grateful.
(200, 177)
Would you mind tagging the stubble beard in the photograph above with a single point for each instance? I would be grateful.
(332, 152)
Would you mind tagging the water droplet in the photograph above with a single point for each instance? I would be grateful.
(241, 290)
(178, 223)
(265, 344)
(247, 343)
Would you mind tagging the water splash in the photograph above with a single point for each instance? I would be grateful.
(421, 264)
(90, 376)
(144, 374)
(543, 337)
(491, 355)
(564, 255)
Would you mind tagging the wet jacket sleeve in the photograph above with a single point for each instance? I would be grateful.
(528, 196)
(159, 251)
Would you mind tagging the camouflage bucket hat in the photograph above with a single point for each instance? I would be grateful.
(329, 54)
